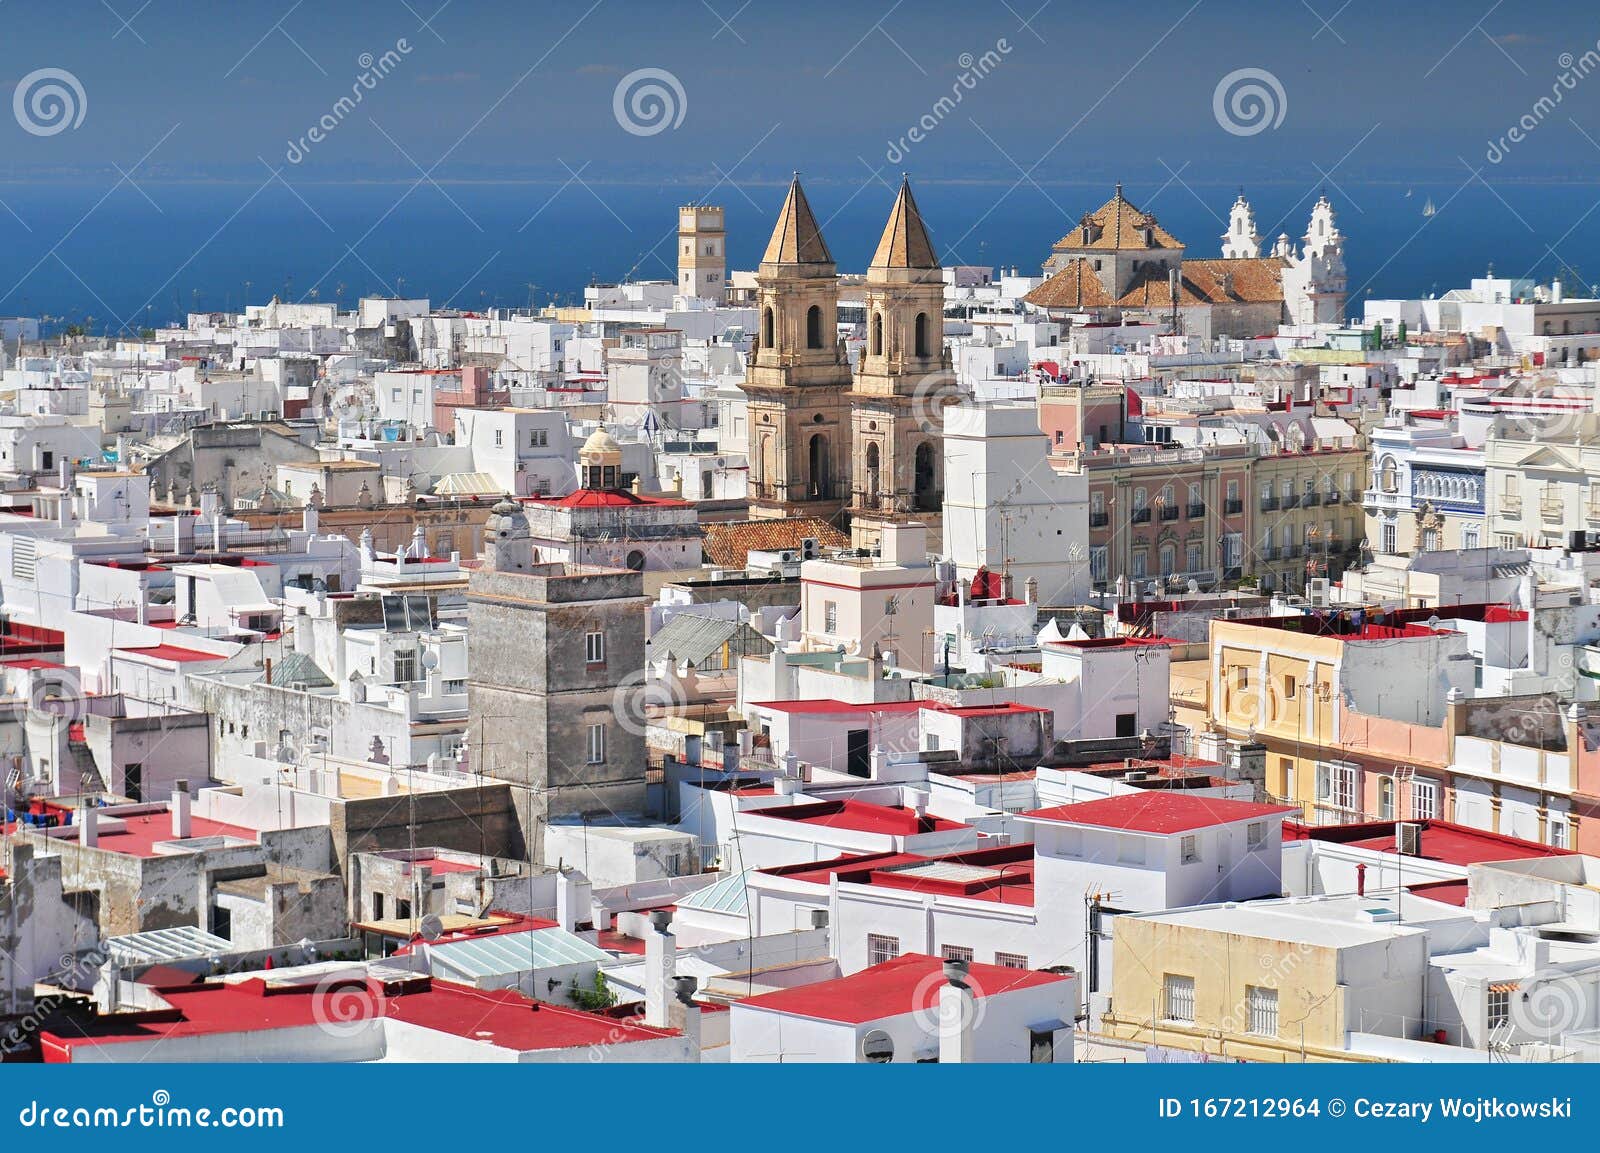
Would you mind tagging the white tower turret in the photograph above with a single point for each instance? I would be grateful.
(1241, 241)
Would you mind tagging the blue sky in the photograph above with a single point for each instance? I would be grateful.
(1371, 91)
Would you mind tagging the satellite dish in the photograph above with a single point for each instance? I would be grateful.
(877, 1047)
(431, 927)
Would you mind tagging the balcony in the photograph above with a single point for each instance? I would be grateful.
(1592, 513)
(1331, 497)
(1312, 499)
(1291, 501)
(1140, 516)
(1511, 504)
(1099, 519)
(1169, 512)
(1196, 512)
(1269, 552)
(1232, 507)
(1552, 510)
(1269, 503)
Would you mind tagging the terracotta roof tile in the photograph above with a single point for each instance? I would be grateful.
(1117, 224)
(729, 545)
(1075, 286)
(1210, 282)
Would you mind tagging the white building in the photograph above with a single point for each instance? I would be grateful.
(1006, 509)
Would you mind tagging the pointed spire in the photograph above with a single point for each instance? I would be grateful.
(905, 242)
(797, 239)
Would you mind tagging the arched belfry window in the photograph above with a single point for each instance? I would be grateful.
(767, 330)
(814, 326)
(922, 334)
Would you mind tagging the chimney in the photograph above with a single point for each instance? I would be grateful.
(89, 825)
(956, 1012)
(660, 967)
(685, 1014)
(574, 895)
(180, 811)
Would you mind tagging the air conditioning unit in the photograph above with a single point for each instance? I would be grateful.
(1408, 839)
(810, 548)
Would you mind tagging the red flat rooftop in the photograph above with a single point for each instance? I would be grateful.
(1441, 841)
(175, 653)
(146, 830)
(500, 1017)
(861, 817)
(908, 984)
(1158, 812)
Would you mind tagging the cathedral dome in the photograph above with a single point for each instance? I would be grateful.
(601, 448)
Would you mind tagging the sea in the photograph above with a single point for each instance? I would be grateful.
(116, 256)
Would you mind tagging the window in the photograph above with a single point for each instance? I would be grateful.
(1469, 538)
(1499, 1005)
(1179, 998)
(453, 687)
(594, 648)
(1289, 685)
(1041, 1046)
(1430, 540)
(499, 437)
(1389, 538)
(814, 327)
(1255, 835)
(1424, 799)
(1386, 798)
(1241, 677)
(1263, 1005)
(881, 948)
(956, 953)
(1558, 834)
(1189, 849)
(539, 438)
(1011, 960)
(830, 616)
(1336, 785)
(377, 906)
(405, 666)
(597, 744)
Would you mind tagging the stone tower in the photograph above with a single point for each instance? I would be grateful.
(903, 383)
(702, 252)
(798, 374)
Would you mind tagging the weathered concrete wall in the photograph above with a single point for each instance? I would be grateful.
(477, 819)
